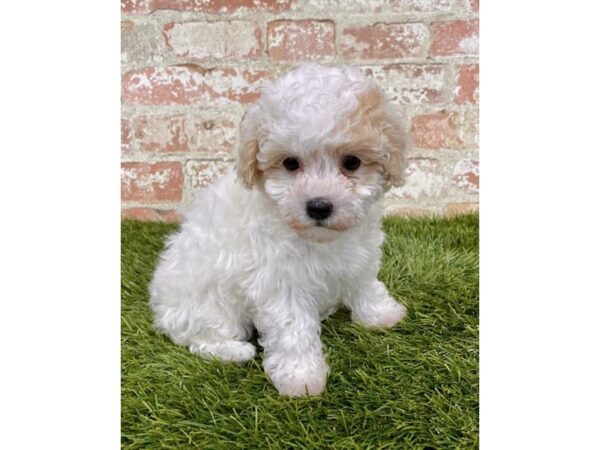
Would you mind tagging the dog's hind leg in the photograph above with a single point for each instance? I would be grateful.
(224, 350)
(210, 328)
(223, 335)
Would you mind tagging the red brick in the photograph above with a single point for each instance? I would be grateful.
(125, 136)
(454, 209)
(200, 174)
(133, 6)
(386, 7)
(455, 38)
(151, 183)
(150, 215)
(142, 44)
(221, 6)
(425, 178)
(445, 130)
(468, 84)
(413, 84)
(220, 40)
(301, 40)
(474, 5)
(385, 40)
(410, 211)
(425, 6)
(190, 84)
(466, 175)
(185, 134)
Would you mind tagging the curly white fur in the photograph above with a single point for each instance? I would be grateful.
(248, 254)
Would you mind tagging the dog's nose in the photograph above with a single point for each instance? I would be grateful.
(319, 208)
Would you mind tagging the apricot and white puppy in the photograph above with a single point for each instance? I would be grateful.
(294, 236)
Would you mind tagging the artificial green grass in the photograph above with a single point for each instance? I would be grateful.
(415, 386)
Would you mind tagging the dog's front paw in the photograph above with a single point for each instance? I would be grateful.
(297, 379)
(384, 314)
(300, 383)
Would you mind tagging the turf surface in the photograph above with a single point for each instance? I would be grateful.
(415, 386)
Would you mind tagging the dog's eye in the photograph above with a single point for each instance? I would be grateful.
(351, 162)
(291, 164)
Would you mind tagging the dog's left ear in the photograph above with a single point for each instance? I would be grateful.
(247, 165)
(396, 135)
(374, 107)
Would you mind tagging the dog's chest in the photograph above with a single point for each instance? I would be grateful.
(322, 273)
(330, 270)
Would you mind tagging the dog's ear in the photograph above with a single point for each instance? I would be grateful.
(247, 165)
(396, 146)
(376, 111)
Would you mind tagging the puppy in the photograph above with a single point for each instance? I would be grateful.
(294, 235)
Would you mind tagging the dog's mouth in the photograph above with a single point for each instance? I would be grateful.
(320, 231)
(320, 224)
(339, 227)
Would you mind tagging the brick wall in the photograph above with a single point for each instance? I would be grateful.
(191, 67)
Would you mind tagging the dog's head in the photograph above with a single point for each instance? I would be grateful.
(324, 144)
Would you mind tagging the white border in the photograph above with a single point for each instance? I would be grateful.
(60, 227)
(60, 82)
(539, 224)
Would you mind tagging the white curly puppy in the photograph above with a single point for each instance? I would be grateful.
(294, 236)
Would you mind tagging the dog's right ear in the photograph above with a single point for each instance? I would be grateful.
(247, 165)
